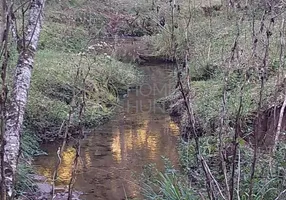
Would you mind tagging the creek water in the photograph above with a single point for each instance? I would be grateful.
(114, 154)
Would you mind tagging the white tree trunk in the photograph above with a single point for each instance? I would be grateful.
(2, 21)
(19, 94)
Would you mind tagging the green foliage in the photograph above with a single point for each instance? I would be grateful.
(53, 86)
(30, 147)
(268, 182)
(221, 56)
(207, 37)
(93, 19)
(169, 185)
(208, 97)
(208, 148)
(63, 37)
(24, 180)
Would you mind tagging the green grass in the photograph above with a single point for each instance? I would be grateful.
(30, 147)
(210, 42)
(208, 98)
(59, 36)
(167, 185)
(267, 185)
(53, 84)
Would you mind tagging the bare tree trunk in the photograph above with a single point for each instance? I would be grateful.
(2, 21)
(19, 94)
(4, 56)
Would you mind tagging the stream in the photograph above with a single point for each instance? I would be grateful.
(114, 154)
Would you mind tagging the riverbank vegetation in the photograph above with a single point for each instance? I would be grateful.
(63, 55)
(229, 102)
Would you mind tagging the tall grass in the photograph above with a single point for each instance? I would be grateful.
(228, 84)
(30, 147)
(167, 185)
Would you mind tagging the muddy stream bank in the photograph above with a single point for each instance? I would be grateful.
(140, 133)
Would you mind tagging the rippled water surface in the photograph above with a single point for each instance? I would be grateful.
(111, 155)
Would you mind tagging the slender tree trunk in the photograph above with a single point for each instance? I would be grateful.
(4, 56)
(2, 21)
(19, 94)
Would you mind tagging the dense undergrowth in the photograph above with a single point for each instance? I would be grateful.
(217, 43)
(235, 63)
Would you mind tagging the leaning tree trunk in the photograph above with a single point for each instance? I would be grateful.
(19, 95)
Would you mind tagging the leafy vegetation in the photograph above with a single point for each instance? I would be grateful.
(267, 185)
(234, 56)
(234, 61)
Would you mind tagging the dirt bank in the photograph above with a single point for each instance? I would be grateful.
(138, 50)
(262, 126)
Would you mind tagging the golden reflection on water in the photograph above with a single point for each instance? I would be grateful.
(122, 146)
(152, 147)
(139, 138)
(67, 161)
(116, 148)
(174, 128)
(87, 159)
(65, 169)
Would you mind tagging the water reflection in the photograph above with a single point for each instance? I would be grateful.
(47, 166)
(140, 139)
(140, 134)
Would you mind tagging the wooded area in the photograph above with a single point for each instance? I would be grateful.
(67, 67)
